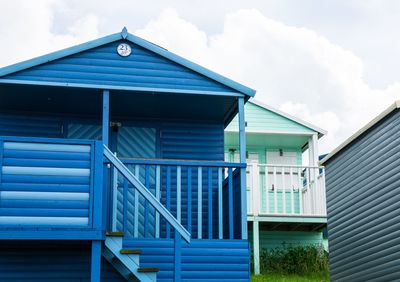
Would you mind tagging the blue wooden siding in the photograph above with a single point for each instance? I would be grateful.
(29, 125)
(201, 260)
(103, 66)
(202, 141)
(363, 202)
(50, 261)
(45, 184)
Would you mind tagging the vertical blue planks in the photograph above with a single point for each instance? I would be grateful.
(220, 205)
(146, 203)
(230, 202)
(210, 206)
(95, 262)
(106, 117)
(178, 254)
(125, 206)
(199, 203)
(178, 193)
(136, 208)
(242, 147)
(168, 227)
(189, 201)
(158, 186)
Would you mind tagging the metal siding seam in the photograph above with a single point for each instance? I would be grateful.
(376, 188)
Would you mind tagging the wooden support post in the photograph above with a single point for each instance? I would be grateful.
(256, 247)
(242, 147)
(107, 218)
(95, 262)
(178, 256)
(106, 117)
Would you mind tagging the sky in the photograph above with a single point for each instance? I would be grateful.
(332, 63)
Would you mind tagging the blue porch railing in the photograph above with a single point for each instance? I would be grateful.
(50, 185)
(201, 196)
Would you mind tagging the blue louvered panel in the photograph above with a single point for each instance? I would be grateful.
(201, 260)
(30, 126)
(192, 142)
(215, 260)
(43, 261)
(136, 142)
(45, 184)
(103, 66)
(156, 253)
(84, 131)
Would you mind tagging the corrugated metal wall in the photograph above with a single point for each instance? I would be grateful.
(202, 260)
(61, 261)
(363, 197)
(103, 66)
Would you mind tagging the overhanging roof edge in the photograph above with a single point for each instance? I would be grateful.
(134, 39)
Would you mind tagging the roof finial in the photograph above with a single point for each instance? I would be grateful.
(124, 32)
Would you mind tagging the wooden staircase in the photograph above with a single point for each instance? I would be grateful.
(126, 261)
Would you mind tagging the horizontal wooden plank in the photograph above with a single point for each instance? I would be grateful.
(47, 147)
(55, 179)
(46, 163)
(38, 212)
(48, 171)
(44, 204)
(43, 221)
(18, 195)
(40, 187)
(29, 154)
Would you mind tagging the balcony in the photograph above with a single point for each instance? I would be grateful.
(286, 193)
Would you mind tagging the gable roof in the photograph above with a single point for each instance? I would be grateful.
(357, 134)
(321, 132)
(232, 86)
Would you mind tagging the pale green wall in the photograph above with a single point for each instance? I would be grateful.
(281, 239)
(260, 119)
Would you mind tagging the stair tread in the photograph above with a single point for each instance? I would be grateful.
(148, 269)
(115, 233)
(130, 251)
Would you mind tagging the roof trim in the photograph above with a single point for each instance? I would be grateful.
(353, 137)
(136, 40)
(122, 88)
(321, 132)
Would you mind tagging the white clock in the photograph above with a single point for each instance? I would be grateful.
(124, 50)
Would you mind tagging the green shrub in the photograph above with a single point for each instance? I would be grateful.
(301, 260)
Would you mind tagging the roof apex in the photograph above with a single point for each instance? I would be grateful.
(124, 34)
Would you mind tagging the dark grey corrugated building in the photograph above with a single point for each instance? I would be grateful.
(363, 202)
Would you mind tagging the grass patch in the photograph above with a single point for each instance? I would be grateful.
(293, 264)
(280, 277)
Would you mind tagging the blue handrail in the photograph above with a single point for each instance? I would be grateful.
(146, 194)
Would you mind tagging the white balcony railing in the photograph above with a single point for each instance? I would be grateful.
(286, 190)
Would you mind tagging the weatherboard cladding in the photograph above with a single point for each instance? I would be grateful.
(260, 119)
(363, 202)
(103, 66)
(61, 261)
(201, 260)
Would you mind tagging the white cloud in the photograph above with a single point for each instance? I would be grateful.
(26, 30)
(292, 68)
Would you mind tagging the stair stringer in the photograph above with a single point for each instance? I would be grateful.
(126, 264)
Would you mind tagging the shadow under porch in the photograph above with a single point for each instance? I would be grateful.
(172, 133)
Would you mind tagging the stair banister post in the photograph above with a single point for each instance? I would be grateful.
(255, 189)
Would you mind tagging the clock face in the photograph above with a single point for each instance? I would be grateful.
(124, 49)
